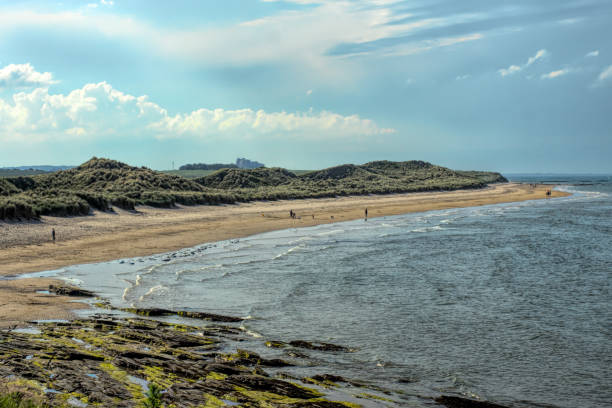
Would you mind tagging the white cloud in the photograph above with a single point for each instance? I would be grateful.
(107, 2)
(513, 69)
(309, 92)
(605, 74)
(98, 111)
(23, 76)
(592, 54)
(556, 74)
(509, 71)
(463, 77)
(539, 55)
(307, 35)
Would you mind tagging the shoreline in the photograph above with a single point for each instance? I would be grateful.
(27, 247)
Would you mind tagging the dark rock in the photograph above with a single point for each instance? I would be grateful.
(279, 387)
(275, 344)
(73, 355)
(97, 359)
(329, 377)
(248, 358)
(316, 404)
(209, 316)
(70, 291)
(460, 402)
(318, 346)
(224, 369)
(155, 312)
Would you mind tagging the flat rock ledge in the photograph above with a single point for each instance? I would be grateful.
(110, 362)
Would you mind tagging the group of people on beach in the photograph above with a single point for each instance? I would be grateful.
(293, 215)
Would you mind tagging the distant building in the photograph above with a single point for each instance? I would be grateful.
(243, 163)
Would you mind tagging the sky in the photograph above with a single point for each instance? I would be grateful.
(505, 85)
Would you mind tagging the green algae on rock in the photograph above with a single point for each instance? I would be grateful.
(110, 362)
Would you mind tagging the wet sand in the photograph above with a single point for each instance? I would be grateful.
(27, 246)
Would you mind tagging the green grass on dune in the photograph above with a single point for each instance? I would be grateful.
(189, 174)
(103, 183)
(18, 172)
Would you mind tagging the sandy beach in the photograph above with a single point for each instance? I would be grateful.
(27, 246)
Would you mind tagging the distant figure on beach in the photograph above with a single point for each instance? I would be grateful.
(313, 216)
(53, 234)
(548, 193)
(366, 214)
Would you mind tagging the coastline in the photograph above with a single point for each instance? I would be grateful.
(27, 247)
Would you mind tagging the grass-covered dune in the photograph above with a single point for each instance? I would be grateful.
(103, 183)
(379, 177)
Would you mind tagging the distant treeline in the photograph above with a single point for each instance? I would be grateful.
(204, 166)
(103, 184)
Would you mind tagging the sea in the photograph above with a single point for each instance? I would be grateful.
(509, 303)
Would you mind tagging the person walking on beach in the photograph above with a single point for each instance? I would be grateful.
(53, 234)
(366, 213)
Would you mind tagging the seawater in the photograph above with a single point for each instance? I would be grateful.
(509, 303)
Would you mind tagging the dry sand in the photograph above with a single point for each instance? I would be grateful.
(27, 246)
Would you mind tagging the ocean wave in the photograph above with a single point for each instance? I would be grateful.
(428, 229)
(295, 241)
(332, 232)
(287, 252)
(580, 194)
(133, 285)
(154, 289)
(250, 332)
(125, 293)
(201, 269)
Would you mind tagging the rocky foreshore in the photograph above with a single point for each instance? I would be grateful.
(113, 361)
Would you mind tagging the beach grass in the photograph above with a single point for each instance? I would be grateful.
(102, 184)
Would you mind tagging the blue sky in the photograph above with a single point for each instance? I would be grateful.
(512, 86)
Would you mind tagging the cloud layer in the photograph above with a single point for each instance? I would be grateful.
(98, 111)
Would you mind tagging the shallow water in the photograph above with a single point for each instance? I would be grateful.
(509, 302)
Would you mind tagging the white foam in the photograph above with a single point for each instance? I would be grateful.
(154, 289)
(428, 229)
(250, 332)
(287, 252)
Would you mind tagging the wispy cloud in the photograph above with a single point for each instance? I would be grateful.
(592, 54)
(513, 69)
(605, 75)
(556, 74)
(463, 77)
(23, 76)
(308, 34)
